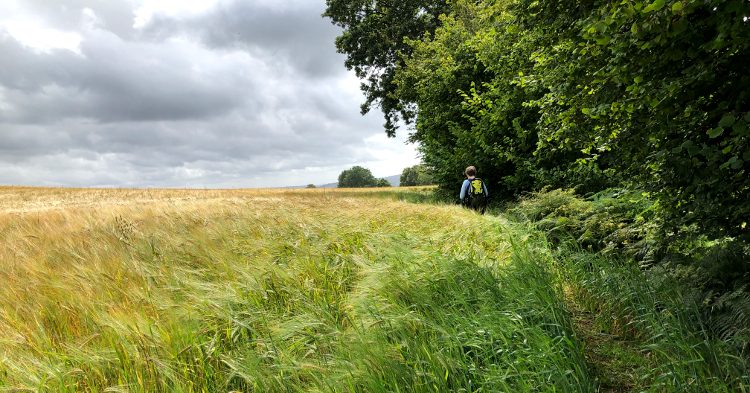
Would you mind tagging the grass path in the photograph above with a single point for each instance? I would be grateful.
(613, 360)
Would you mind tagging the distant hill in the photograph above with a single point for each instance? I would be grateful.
(395, 180)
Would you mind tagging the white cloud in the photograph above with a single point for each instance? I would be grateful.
(90, 20)
(40, 38)
(392, 155)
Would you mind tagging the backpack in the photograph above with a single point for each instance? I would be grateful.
(475, 197)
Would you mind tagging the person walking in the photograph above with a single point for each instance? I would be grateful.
(473, 191)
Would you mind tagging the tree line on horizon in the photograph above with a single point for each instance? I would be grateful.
(360, 177)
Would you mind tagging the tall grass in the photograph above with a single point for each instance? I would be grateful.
(648, 307)
(610, 266)
(319, 291)
(193, 291)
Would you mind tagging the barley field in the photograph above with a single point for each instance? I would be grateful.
(265, 290)
(121, 290)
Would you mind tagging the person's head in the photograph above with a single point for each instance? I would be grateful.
(471, 171)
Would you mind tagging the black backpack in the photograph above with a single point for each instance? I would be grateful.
(475, 197)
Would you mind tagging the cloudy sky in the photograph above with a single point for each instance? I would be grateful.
(181, 93)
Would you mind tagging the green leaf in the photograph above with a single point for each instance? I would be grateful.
(634, 28)
(677, 7)
(715, 132)
(604, 40)
(737, 164)
(732, 161)
(740, 128)
(747, 117)
(638, 79)
(585, 111)
(655, 6)
(734, 6)
(727, 121)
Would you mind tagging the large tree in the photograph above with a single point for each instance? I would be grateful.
(373, 40)
(468, 82)
(357, 177)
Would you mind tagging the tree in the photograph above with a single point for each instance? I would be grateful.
(466, 79)
(663, 88)
(418, 175)
(311, 186)
(373, 40)
(383, 183)
(565, 93)
(357, 177)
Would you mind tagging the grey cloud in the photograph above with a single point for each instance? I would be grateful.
(298, 36)
(117, 16)
(125, 164)
(182, 102)
(115, 80)
(241, 144)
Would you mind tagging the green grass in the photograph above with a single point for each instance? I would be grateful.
(291, 293)
(647, 309)
(333, 292)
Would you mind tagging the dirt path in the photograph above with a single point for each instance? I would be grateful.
(613, 360)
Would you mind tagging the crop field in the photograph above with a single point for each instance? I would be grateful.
(284, 291)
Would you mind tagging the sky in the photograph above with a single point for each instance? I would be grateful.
(181, 93)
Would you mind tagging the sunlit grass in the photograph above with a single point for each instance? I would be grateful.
(266, 290)
(312, 290)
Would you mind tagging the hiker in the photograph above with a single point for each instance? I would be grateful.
(474, 192)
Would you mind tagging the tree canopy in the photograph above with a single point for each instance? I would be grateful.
(663, 87)
(373, 40)
(383, 183)
(357, 177)
(417, 175)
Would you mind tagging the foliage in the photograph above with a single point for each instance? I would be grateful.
(471, 106)
(357, 177)
(612, 220)
(383, 183)
(662, 87)
(373, 40)
(652, 96)
(620, 224)
(417, 175)
(311, 186)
